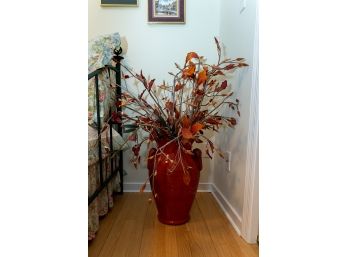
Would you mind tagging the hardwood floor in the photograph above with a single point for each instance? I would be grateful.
(132, 229)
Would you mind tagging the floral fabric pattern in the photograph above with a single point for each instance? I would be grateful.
(100, 52)
(101, 205)
(118, 143)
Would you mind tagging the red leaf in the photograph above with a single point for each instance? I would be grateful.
(186, 122)
(178, 87)
(117, 117)
(232, 121)
(141, 74)
(213, 121)
(132, 137)
(217, 44)
(151, 84)
(169, 105)
(211, 146)
(199, 92)
(219, 72)
(136, 149)
(222, 87)
(224, 84)
(229, 67)
(142, 93)
(207, 152)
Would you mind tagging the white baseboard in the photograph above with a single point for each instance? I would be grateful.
(228, 209)
(135, 187)
(204, 187)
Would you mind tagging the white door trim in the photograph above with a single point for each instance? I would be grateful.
(250, 220)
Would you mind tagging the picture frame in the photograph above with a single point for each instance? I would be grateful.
(166, 11)
(131, 3)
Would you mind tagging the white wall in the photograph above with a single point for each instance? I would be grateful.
(237, 34)
(155, 47)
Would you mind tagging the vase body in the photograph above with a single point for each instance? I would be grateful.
(173, 186)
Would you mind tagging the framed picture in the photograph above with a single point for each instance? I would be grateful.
(166, 11)
(119, 2)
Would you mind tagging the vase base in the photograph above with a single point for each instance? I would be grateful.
(173, 222)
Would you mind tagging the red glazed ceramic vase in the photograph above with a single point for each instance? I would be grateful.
(173, 187)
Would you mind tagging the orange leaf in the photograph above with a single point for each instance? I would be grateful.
(143, 188)
(189, 71)
(191, 55)
(186, 133)
(202, 77)
(186, 122)
(196, 127)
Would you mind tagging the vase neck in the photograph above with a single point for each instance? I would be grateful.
(162, 142)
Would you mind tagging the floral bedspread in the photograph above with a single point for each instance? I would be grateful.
(101, 205)
(100, 52)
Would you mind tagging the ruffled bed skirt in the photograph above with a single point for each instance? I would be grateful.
(104, 202)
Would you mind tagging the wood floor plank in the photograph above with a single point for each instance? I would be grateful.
(159, 240)
(105, 226)
(224, 237)
(136, 231)
(133, 200)
(129, 242)
(183, 241)
(114, 234)
(171, 248)
(198, 235)
(148, 232)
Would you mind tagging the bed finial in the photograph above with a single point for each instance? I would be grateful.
(117, 58)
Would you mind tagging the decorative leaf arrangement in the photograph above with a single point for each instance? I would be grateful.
(181, 111)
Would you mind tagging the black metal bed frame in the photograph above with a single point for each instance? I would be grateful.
(115, 168)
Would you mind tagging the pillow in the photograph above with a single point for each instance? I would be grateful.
(101, 50)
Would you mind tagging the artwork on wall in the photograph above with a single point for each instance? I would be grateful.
(119, 2)
(166, 11)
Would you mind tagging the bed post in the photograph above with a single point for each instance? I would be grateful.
(117, 58)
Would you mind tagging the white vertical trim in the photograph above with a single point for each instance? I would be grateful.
(228, 209)
(250, 205)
